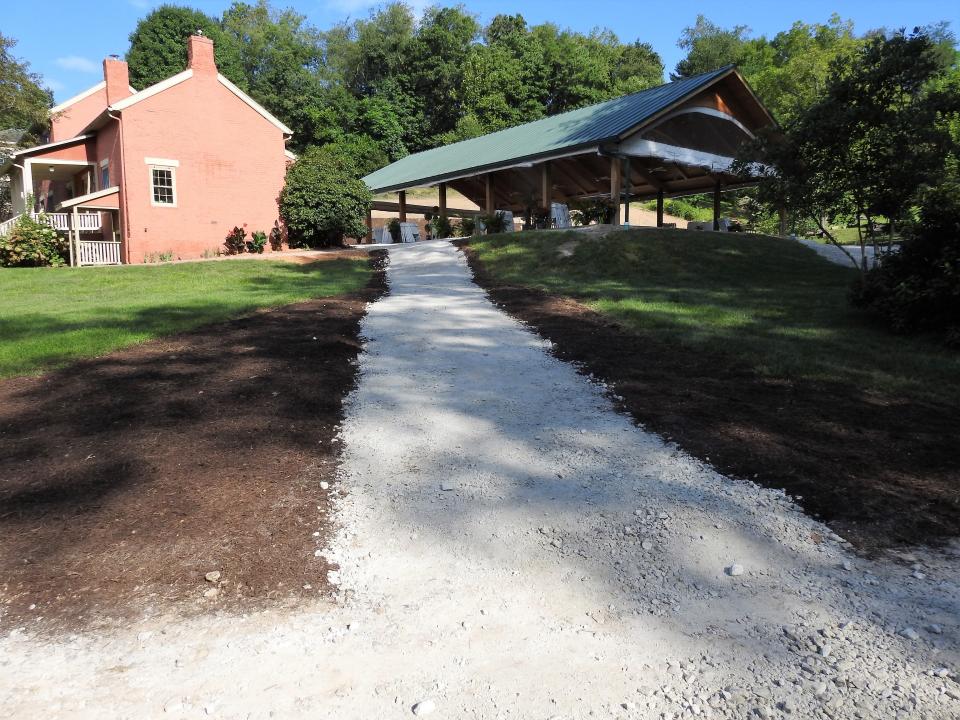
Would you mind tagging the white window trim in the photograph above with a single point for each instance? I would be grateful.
(163, 165)
(161, 162)
(104, 165)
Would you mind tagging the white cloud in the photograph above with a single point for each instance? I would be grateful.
(54, 85)
(353, 6)
(78, 64)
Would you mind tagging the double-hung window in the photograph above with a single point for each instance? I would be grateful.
(163, 182)
(104, 174)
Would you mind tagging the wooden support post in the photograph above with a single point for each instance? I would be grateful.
(783, 221)
(490, 204)
(402, 202)
(546, 186)
(75, 229)
(442, 188)
(616, 181)
(659, 208)
(716, 205)
(369, 222)
(627, 187)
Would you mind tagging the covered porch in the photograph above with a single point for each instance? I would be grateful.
(675, 140)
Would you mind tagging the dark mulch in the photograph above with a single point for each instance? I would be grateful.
(881, 471)
(124, 479)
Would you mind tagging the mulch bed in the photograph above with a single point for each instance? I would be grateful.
(124, 479)
(881, 471)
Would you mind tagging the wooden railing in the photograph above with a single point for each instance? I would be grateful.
(98, 252)
(86, 221)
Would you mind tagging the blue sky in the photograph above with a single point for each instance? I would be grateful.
(65, 40)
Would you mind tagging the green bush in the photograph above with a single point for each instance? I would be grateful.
(599, 210)
(324, 200)
(257, 242)
(236, 241)
(918, 288)
(494, 224)
(393, 227)
(276, 237)
(467, 227)
(33, 243)
(442, 227)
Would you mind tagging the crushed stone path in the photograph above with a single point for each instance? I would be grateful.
(510, 546)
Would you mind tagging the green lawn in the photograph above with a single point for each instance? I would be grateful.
(49, 317)
(766, 303)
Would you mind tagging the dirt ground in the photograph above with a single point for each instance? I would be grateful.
(881, 471)
(127, 478)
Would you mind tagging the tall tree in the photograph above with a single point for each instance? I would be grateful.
(23, 99)
(158, 46)
(709, 47)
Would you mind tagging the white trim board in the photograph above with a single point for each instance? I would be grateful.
(90, 196)
(85, 94)
(674, 153)
(58, 143)
(152, 90)
(253, 104)
(161, 162)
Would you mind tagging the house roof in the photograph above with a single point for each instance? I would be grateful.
(564, 134)
(77, 98)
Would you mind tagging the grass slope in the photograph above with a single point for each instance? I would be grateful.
(49, 317)
(764, 303)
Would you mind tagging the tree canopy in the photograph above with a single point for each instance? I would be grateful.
(24, 101)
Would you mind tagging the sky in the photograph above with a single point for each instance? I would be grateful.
(65, 40)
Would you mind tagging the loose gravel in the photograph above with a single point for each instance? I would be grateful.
(511, 546)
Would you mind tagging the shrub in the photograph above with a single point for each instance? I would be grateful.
(236, 241)
(33, 243)
(600, 210)
(276, 237)
(442, 227)
(257, 242)
(918, 288)
(541, 218)
(393, 227)
(324, 200)
(496, 223)
(467, 227)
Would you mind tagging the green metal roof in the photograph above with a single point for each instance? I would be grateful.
(579, 128)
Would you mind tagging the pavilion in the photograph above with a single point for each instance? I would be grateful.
(676, 139)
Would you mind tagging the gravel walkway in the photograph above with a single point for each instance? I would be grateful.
(835, 254)
(512, 547)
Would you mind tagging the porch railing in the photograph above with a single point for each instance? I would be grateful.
(98, 252)
(86, 221)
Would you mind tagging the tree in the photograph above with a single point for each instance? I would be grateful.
(845, 155)
(24, 101)
(708, 47)
(158, 46)
(323, 201)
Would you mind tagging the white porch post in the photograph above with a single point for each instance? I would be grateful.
(75, 228)
(27, 185)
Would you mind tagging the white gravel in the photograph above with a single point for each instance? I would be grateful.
(512, 547)
(836, 255)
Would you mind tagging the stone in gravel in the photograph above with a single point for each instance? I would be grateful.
(324, 485)
(910, 634)
(446, 486)
(734, 570)
(847, 565)
(212, 576)
(646, 545)
(934, 628)
(211, 593)
(424, 707)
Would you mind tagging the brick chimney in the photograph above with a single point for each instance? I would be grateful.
(117, 75)
(200, 54)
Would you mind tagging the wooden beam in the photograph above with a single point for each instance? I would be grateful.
(717, 188)
(783, 220)
(546, 186)
(489, 206)
(616, 189)
(369, 225)
(442, 191)
(660, 208)
(570, 180)
(402, 201)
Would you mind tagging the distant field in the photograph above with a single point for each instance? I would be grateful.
(49, 317)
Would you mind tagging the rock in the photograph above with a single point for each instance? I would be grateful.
(735, 570)
(819, 688)
(934, 629)
(424, 707)
(919, 575)
(212, 576)
(211, 593)
(910, 634)
(447, 486)
(324, 485)
(788, 706)
(646, 545)
(847, 565)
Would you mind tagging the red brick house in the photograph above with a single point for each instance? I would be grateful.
(167, 170)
